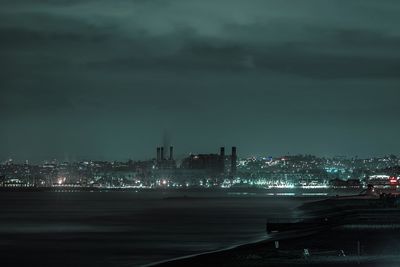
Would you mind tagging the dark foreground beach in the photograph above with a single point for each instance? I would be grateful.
(353, 243)
(377, 248)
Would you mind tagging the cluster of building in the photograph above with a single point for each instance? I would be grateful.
(311, 171)
(207, 170)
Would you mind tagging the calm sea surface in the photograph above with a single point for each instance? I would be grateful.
(129, 228)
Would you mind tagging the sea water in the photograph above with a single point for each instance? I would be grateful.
(129, 228)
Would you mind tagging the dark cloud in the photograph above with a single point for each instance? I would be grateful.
(269, 76)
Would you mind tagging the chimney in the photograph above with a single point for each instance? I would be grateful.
(158, 153)
(162, 153)
(233, 161)
(222, 152)
(171, 153)
(222, 158)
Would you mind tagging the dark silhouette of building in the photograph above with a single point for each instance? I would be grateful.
(210, 162)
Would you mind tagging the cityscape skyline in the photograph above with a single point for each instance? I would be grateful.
(205, 170)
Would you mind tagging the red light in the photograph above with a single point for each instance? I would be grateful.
(393, 180)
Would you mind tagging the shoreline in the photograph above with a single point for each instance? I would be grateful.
(323, 246)
(161, 262)
(248, 245)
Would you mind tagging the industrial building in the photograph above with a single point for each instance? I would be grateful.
(195, 167)
(211, 162)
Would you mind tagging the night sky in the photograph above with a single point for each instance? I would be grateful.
(108, 79)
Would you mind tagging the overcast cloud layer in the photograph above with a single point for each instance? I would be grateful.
(105, 79)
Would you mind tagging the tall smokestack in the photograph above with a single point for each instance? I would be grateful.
(162, 153)
(233, 161)
(222, 158)
(222, 151)
(158, 154)
(171, 153)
